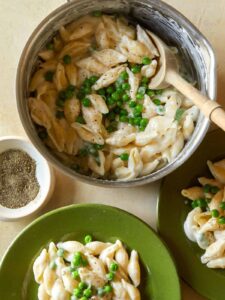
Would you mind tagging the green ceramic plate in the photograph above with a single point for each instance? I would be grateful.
(172, 212)
(159, 277)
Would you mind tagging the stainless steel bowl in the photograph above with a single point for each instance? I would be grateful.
(196, 52)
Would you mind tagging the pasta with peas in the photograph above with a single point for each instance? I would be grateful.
(205, 224)
(92, 105)
(94, 270)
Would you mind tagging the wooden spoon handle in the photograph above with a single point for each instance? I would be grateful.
(210, 109)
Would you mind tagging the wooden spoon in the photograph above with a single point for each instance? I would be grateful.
(168, 75)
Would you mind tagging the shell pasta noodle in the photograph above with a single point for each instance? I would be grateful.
(94, 270)
(205, 224)
(92, 106)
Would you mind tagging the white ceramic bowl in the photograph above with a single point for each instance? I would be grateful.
(45, 177)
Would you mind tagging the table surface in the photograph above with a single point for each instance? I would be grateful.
(18, 19)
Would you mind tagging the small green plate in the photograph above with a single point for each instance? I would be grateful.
(172, 212)
(105, 223)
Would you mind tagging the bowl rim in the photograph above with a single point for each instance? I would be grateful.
(117, 183)
(14, 214)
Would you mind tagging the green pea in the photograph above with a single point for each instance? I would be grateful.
(126, 98)
(119, 90)
(110, 276)
(101, 292)
(98, 146)
(81, 94)
(141, 90)
(77, 292)
(206, 188)
(110, 101)
(138, 108)
(222, 205)
(93, 151)
(158, 92)
(132, 104)
(123, 112)
(78, 255)
(215, 213)
(59, 114)
(136, 69)
(214, 189)
(87, 293)
(144, 80)
(146, 60)
(119, 103)
(83, 298)
(124, 75)
(115, 96)
(139, 96)
(137, 121)
(101, 92)
(87, 90)
(201, 202)
(75, 274)
(114, 266)
(49, 76)
(108, 288)
(60, 103)
(87, 82)
(150, 93)
(124, 119)
(86, 102)
(82, 285)
(144, 122)
(60, 252)
(80, 120)
(93, 79)
(221, 220)
(87, 238)
(111, 116)
(124, 157)
(110, 90)
(84, 262)
(131, 121)
(194, 204)
(62, 95)
(67, 59)
(126, 86)
(137, 114)
(50, 46)
(97, 13)
(157, 102)
(83, 152)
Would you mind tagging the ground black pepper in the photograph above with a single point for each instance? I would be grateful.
(18, 182)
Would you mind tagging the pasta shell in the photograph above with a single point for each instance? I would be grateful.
(218, 170)
(70, 248)
(60, 265)
(177, 146)
(93, 118)
(124, 28)
(46, 54)
(134, 80)
(203, 181)
(149, 167)
(144, 38)
(97, 167)
(133, 292)
(71, 73)
(108, 77)
(74, 48)
(149, 108)
(40, 112)
(87, 134)
(109, 252)
(42, 294)
(96, 247)
(193, 193)
(49, 65)
(37, 79)
(45, 87)
(190, 224)
(71, 110)
(120, 273)
(96, 265)
(49, 98)
(134, 268)
(52, 251)
(122, 137)
(92, 65)
(90, 278)
(59, 292)
(216, 200)
(217, 263)
(61, 81)
(111, 28)
(64, 34)
(215, 250)
(81, 31)
(149, 70)
(133, 50)
(49, 278)
(58, 44)
(102, 38)
(119, 291)
(40, 265)
(188, 127)
(109, 57)
(99, 103)
(69, 283)
(121, 257)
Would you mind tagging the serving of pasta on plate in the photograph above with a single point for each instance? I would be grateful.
(94, 270)
(92, 105)
(205, 224)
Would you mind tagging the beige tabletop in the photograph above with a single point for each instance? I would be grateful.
(18, 19)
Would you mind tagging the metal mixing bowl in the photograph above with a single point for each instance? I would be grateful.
(195, 51)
